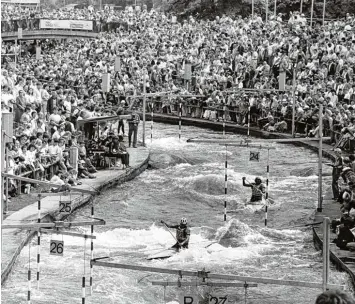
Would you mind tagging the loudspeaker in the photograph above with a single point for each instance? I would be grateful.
(118, 64)
(38, 52)
(106, 79)
(188, 72)
(282, 81)
(7, 126)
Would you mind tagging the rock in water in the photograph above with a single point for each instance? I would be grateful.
(304, 172)
(233, 233)
(165, 160)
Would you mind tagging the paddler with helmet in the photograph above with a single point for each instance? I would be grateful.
(182, 233)
(258, 189)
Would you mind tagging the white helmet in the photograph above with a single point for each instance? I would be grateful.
(346, 196)
(183, 221)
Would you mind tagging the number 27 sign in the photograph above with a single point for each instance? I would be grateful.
(218, 299)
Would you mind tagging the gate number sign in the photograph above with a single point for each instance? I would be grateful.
(217, 299)
(65, 207)
(56, 247)
(212, 299)
(254, 156)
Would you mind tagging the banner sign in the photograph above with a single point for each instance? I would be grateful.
(66, 24)
(21, 1)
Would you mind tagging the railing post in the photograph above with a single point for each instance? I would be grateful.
(326, 254)
(320, 157)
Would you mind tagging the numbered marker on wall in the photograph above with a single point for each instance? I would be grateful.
(56, 247)
(218, 299)
(65, 207)
(188, 299)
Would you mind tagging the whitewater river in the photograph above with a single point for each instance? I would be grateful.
(187, 180)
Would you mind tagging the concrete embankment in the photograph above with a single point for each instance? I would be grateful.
(13, 240)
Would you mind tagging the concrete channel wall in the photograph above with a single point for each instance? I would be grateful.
(21, 238)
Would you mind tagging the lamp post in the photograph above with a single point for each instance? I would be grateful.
(312, 5)
(293, 100)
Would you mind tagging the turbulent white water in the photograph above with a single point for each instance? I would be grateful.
(188, 181)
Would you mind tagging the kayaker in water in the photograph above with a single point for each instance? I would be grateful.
(258, 189)
(182, 234)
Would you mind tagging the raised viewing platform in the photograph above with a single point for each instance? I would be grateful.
(45, 34)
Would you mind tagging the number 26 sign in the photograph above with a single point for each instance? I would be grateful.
(56, 247)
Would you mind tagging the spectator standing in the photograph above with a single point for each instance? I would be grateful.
(133, 123)
(337, 168)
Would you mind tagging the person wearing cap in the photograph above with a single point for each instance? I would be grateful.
(133, 127)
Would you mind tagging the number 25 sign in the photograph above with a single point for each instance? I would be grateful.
(218, 299)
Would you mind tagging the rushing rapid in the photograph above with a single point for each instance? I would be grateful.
(187, 180)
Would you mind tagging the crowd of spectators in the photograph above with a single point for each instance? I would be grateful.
(236, 69)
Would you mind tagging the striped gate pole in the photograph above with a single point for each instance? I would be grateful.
(29, 274)
(248, 120)
(83, 290)
(29, 287)
(180, 113)
(92, 246)
(151, 125)
(224, 120)
(267, 185)
(38, 239)
(225, 187)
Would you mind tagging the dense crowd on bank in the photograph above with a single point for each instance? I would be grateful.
(237, 68)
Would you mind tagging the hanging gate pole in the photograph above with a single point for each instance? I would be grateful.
(180, 113)
(267, 185)
(38, 239)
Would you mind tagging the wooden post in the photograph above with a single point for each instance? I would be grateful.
(248, 120)
(312, 5)
(2, 169)
(180, 113)
(320, 158)
(266, 10)
(224, 120)
(301, 6)
(293, 101)
(326, 254)
(252, 8)
(225, 186)
(324, 12)
(275, 8)
(144, 105)
(15, 53)
(7, 181)
(151, 124)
